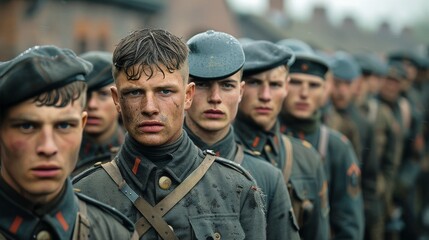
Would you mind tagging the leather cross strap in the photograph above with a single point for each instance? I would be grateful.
(152, 216)
(323, 141)
(239, 156)
(287, 169)
(82, 226)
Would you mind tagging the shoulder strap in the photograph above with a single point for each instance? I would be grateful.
(82, 226)
(287, 169)
(323, 141)
(405, 108)
(239, 156)
(372, 110)
(153, 215)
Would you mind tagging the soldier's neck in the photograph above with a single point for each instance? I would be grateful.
(205, 135)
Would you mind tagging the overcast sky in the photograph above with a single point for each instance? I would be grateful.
(368, 13)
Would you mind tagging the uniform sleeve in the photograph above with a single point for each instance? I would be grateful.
(252, 216)
(280, 218)
(346, 217)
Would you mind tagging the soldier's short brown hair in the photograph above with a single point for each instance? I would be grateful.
(147, 51)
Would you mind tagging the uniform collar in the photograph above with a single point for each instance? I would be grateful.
(139, 163)
(225, 148)
(21, 219)
(302, 126)
(91, 149)
(256, 139)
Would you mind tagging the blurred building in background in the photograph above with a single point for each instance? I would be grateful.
(84, 25)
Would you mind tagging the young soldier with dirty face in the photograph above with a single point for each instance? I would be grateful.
(42, 98)
(265, 73)
(215, 66)
(162, 181)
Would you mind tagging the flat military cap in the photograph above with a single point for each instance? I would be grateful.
(214, 55)
(296, 45)
(396, 70)
(406, 55)
(344, 67)
(101, 74)
(263, 55)
(309, 63)
(38, 70)
(370, 64)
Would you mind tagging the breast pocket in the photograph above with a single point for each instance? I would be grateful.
(303, 195)
(217, 226)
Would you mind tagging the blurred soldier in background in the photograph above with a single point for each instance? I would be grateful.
(377, 187)
(102, 134)
(42, 98)
(265, 73)
(215, 66)
(413, 147)
(300, 117)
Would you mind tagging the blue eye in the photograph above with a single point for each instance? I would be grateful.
(26, 126)
(64, 125)
(165, 92)
(201, 85)
(134, 93)
(228, 85)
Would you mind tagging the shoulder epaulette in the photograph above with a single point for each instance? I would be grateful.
(234, 166)
(253, 153)
(87, 172)
(108, 209)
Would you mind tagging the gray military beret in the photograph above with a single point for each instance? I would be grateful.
(344, 67)
(214, 55)
(101, 74)
(309, 63)
(396, 70)
(263, 55)
(406, 55)
(370, 64)
(296, 45)
(38, 70)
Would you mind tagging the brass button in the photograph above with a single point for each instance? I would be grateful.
(216, 235)
(164, 182)
(43, 235)
(267, 148)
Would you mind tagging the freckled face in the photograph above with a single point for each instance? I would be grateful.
(153, 109)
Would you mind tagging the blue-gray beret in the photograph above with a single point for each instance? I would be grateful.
(370, 64)
(396, 70)
(406, 55)
(344, 67)
(309, 63)
(101, 74)
(214, 55)
(263, 55)
(296, 45)
(38, 70)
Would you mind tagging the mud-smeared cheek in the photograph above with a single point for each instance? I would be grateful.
(176, 104)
